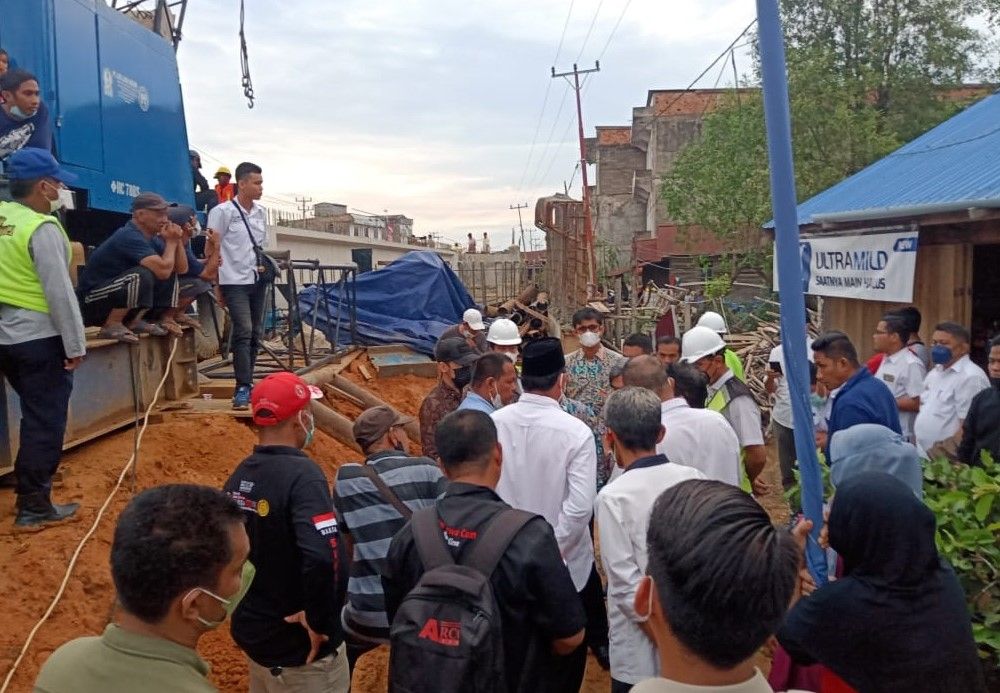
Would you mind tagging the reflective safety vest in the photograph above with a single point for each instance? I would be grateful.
(734, 364)
(19, 282)
(225, 192)
(720, 402)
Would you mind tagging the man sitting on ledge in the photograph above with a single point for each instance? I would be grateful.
(125, 276)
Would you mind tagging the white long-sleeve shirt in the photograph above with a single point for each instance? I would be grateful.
(622, 509)
(700, 438)
(550, 468)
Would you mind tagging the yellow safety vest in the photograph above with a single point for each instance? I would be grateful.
(19, 282)
(734, 364)
(720, 402)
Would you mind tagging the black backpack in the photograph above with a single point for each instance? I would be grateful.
(446, 636)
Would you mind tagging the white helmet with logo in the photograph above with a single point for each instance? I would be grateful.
(503, 332)
(699, 342)
(713, 321)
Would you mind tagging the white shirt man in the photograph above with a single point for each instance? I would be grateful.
(781, 411)
(238, 260)
(701, 439)
(945, 400)
(903, 372)
(622, 513)
(550, 468)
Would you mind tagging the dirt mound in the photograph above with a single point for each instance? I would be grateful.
(201, 450)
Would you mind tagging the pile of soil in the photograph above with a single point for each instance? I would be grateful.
(202, 450)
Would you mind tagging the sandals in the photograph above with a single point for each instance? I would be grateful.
(171, 327)
(119, 333)
(150, 328)
(187, 321)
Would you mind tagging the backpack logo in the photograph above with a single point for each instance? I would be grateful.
(447, 633)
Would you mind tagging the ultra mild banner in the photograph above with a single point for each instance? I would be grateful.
(872, 267)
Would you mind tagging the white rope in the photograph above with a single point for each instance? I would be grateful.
(93, 527)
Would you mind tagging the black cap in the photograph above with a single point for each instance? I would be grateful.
(542, 357)
(180, 215)
(455, 350)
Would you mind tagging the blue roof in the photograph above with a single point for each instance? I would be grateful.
(957, 163)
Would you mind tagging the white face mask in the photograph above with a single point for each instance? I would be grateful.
(512, 355)
(495, 400)
(66, 199)
(590, 339)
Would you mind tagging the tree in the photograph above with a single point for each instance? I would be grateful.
(864, 76)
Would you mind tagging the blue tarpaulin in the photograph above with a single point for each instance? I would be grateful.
(411, 301)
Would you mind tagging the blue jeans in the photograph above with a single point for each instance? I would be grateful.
(246, 311)
(36, 372)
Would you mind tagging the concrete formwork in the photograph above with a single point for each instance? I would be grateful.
(562, 220)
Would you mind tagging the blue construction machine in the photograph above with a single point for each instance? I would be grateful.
(108, 73)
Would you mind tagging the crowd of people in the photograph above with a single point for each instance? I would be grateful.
(477, 562)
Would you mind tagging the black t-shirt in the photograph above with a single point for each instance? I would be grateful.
(296, 548)
(981, 430)
(537, 600)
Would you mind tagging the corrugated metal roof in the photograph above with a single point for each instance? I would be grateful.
(957, 162)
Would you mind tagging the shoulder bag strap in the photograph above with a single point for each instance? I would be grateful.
(429, 540)
(490, 548)
(246, 224)
(388, 495)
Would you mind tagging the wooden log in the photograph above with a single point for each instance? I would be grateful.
(369, 400)
(337, 392)
(334, 424)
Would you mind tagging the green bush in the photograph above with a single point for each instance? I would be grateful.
(966, 501)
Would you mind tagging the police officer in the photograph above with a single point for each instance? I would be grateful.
(41, 333)
(288, 623)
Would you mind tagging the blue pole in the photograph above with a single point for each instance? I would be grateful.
(786, 247)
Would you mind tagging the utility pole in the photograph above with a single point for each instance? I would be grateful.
(303, 201)
(519, 222)
(588, 227)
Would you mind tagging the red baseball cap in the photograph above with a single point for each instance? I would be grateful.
(280, 396)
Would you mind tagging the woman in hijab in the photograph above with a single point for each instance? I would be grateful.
(897, 621)
(874, 448)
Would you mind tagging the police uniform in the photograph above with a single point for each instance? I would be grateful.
(40, 327)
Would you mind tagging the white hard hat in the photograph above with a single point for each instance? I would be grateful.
(503, 332)
(474, 319)
(698, 342)
(713, 321)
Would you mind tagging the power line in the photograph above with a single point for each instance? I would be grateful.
(590, 30)
(697, 79)
(615, 29)
(545, 100)
(303, 202)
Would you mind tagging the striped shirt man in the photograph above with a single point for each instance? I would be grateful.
(371, 521)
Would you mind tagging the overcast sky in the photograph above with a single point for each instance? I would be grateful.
(429, 108)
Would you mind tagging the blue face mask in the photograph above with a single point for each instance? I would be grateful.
(941, 354)
(310, 430)
(817, 401)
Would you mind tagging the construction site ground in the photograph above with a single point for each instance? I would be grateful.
(201, 449)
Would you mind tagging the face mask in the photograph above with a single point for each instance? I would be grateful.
(310, 430)
(229, 605)
(590, 339)
(817, 401)
(941, 354)
(58, 203)
(495, 400)
(66, 200)
(17, 114)
(512, 355)
(462, 377)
